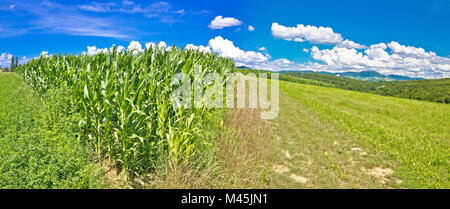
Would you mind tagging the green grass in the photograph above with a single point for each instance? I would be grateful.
(321, 125)
(38, 142)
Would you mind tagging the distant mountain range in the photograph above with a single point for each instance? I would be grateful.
(363, 75)
(366, 76)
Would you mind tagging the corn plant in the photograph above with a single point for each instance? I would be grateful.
(125, 101)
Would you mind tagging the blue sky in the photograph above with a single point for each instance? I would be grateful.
(391, 37)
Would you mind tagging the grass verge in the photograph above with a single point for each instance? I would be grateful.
(410, 137)
(39, 147)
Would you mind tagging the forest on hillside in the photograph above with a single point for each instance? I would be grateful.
(435, 90)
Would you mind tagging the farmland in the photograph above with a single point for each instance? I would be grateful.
(341, 139)
(106, 121)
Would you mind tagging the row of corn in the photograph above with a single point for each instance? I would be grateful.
(125, 101)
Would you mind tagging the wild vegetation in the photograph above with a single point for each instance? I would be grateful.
(39, 147)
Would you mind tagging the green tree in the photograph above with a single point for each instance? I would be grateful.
(12, 64)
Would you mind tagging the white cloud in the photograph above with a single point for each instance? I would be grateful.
(5, 59)
(301, 33)
(220, 22)
(388, 59)
(126, 2)
(161, 44)
(135, 46)
(98, 7)
(262, 48)
(312, 34)
(44, 54)
(377, 51)
(351, 44)
(119, 48)
(149, 45)
(251, 28)
(93, 50)
(409, 51)
(226, 48)
(204, 49)
(406, 61)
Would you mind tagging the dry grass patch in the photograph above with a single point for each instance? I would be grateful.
(239, 159)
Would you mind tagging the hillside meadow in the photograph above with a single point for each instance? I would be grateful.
(360, 134)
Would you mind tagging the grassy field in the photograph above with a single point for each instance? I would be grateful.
(38, 141)
(332, 138)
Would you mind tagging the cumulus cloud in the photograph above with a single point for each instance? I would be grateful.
(265, 51)
(204, 49)
(385, 58)
(220, 22)
(93, 50)
(44, 54)
(262, 48)
(351, 45)
(301, 33)
(251, 28)
(135, 46)
(346, 55)
(402, 60)
(161, 44)
(5, 59)
(312, 34)
(409, 51)
(226, 48)
(119, 48)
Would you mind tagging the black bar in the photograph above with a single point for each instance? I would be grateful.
(243, 198)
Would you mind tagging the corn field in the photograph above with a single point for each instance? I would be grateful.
(125, 101)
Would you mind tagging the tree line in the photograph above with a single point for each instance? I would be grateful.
(435, 90)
